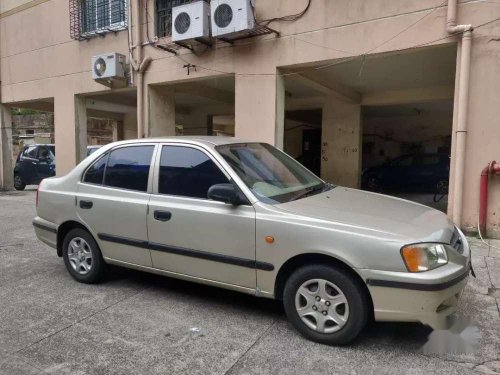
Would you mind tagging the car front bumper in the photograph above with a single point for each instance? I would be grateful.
(426, 297)
(429, 304)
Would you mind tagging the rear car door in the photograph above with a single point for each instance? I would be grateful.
(192, 235)
(45, 166)
(113, 201)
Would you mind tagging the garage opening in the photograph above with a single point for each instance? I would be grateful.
(199, 107)
(406, 151)
(381, 122)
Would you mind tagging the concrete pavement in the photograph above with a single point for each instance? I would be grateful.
(146, 324)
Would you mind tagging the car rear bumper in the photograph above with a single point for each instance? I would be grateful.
(45, 231)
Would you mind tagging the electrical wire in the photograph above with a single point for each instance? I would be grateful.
(481, 236)
(363, 55)
(289, 18)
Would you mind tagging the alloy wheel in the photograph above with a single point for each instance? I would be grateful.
(322, 306)
(80, 255)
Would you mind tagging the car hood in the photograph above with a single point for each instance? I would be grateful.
(375, 214)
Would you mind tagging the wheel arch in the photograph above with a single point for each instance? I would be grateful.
(63, 229)
(301, 260)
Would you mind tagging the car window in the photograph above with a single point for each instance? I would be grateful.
(187, 172)
(128, 168)
(43, 153)
(95, 174)
(30, 152)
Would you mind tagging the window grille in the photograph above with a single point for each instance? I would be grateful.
(164, 15)
(89, 18)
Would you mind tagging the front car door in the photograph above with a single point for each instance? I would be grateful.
(192, 235)
(28, 165)
(113, 200)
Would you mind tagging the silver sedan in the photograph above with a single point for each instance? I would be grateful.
(247, 217)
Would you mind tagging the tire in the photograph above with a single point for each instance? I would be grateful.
(442, 187)
(372, 183)
(19, 183)
(82, 257)
(351, 315)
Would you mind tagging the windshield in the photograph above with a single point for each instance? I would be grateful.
(273, 176)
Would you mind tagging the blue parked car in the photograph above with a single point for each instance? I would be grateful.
(36, 162)
(419, 172)
(33, 164)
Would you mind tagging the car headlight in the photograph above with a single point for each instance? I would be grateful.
(424, 257)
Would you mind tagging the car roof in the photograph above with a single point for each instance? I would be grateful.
(40, 144)
(210, 141)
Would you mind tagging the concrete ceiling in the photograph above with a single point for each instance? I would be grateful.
(412, 69)
(440, 107)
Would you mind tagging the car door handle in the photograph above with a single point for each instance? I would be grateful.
(86, 205)
(162, 215)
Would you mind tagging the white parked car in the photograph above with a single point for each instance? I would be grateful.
(247, 217)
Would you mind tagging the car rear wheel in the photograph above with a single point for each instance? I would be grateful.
(19, 183)
(326, 304)
(82, 257)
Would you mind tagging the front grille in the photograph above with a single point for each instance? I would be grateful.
(456, 242)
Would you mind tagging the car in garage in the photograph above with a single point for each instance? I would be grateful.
(36, 162)
(33, 164)
(247, 217)
(419, 172)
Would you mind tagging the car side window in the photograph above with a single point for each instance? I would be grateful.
(95, 174)
(128, 168)
(187, 172)
(30, 152)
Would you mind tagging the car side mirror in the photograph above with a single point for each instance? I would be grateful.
(226, 193)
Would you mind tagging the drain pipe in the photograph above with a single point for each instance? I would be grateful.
(137, 63)
(492, 168)
(463, 102)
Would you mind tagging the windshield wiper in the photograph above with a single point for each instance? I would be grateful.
(312, 190)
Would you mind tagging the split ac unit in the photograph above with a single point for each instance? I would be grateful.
(108, 66)
(231, 17)
(191, 21)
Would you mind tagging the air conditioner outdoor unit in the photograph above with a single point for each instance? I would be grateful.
(191, 22)
(231, 17)
(108, 66)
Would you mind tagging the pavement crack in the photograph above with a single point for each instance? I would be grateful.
(76, 322)
(259, 339)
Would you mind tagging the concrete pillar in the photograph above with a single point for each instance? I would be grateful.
(70, 123)
(259, 108)
(161, 111)
(341, 143)
(6, 170)
(129, 126)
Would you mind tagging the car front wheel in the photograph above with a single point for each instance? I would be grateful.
(82, 257)
(326, 304)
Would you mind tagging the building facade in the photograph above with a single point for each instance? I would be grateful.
(339, 84)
